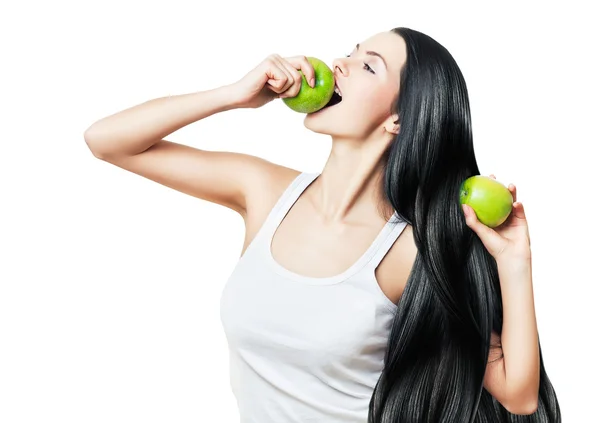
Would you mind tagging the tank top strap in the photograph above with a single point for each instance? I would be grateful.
(289, 197)
(372, 257)
(383, 244)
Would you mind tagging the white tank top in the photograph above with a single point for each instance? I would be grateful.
(305, 349)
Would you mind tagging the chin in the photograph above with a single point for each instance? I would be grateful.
(316, 125)
(316, 121)
(337, 126)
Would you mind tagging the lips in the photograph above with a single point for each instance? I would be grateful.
(338, 87)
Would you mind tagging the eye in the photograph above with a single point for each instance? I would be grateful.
(369, 69)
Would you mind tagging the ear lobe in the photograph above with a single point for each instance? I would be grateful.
(393, 126)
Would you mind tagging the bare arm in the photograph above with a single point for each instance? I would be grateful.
(520, 335)
(133, 140)
(513, 377)
(134, 130)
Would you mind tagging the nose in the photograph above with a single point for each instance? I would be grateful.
(339, 67)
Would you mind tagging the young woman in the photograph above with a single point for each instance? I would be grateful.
(364, 292)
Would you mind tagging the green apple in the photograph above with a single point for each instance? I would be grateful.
(490, 199)
(309, 99)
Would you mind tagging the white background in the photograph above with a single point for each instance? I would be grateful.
(110, 283)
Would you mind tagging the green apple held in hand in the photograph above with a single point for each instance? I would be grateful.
(309, 99)
(490, 199)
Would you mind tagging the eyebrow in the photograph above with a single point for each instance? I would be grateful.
(374, 53)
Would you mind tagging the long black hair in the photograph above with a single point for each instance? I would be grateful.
(439, 341)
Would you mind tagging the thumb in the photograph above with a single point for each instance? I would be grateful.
(484, 232)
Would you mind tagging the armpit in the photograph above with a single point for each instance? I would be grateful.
(495, 348)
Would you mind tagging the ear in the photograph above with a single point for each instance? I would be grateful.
(391, 125)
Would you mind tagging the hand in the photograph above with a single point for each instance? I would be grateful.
(508, 241)
(275, 77)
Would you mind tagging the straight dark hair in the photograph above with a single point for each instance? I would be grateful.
(439, 341)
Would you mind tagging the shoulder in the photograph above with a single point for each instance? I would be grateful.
(394, 270)
(270, 183)
(266, 186)
(403, 252)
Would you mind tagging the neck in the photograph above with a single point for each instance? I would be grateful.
(350, 186)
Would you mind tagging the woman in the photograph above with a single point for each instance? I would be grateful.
(364, 292)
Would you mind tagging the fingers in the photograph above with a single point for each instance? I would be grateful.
(519, 210)
(277, 77)
(283, 77)
(295, 82)
(298, 66)
(286, 79)
(513, 190)
(291, 73)
(487, 234)
(302, 63)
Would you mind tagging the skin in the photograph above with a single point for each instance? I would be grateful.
(339, 213)
(361, 128)
(340, 203)
(349, 187)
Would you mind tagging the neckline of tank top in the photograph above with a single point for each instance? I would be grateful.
(356, 267)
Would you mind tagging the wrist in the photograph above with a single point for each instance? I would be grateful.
(229, 97)
(513, 264)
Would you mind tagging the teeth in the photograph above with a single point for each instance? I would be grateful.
(337, 90)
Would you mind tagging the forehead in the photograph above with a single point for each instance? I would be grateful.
(390, 45)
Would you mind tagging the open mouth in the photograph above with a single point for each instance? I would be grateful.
(335, 99)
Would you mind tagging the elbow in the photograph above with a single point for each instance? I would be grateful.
(523, 397)
(531, 408)
(88, 141)
(524, 408)
(91, 145)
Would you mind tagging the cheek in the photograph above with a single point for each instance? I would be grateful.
(381, 98)
(377, 102)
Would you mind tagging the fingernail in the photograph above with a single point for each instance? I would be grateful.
(312, 82)
(465, 209)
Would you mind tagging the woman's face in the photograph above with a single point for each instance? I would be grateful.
(369, 84)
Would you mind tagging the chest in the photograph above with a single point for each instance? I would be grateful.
(309, 326)
(332, 250)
